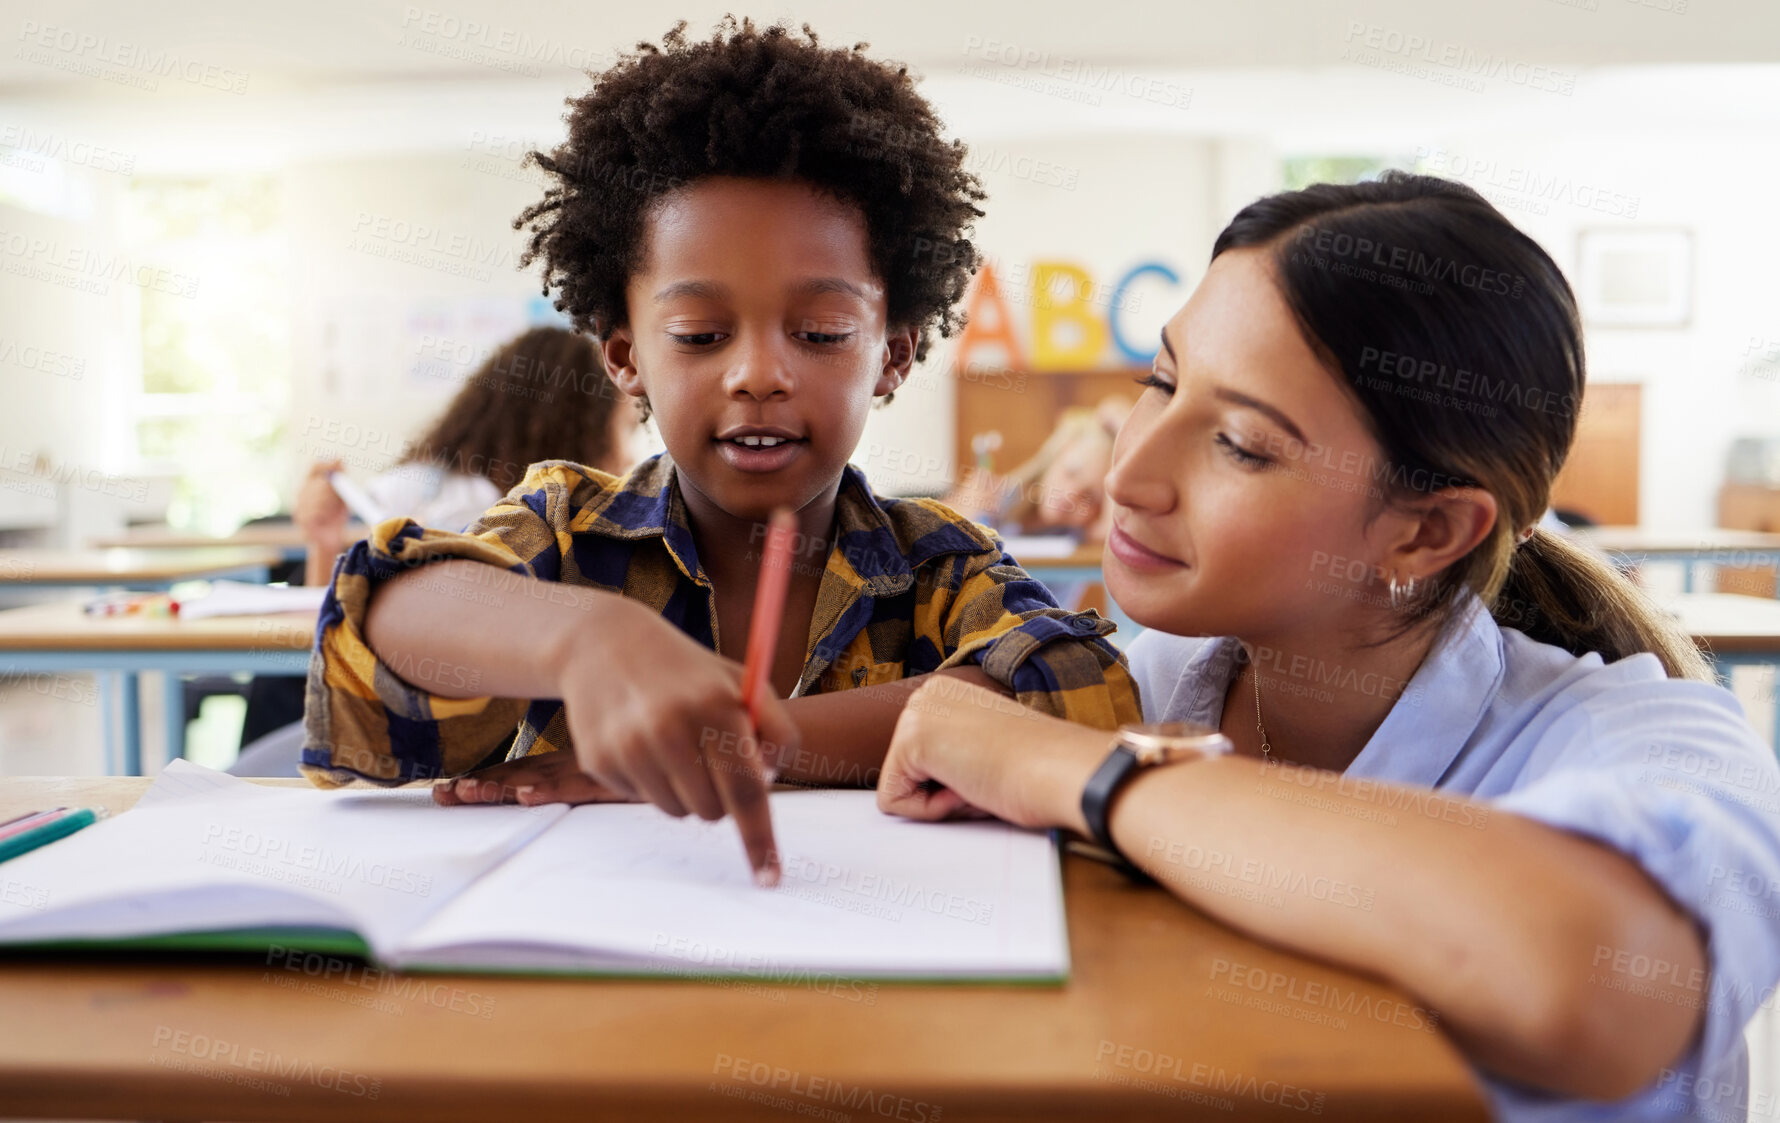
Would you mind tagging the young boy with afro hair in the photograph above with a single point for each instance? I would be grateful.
(764, 234)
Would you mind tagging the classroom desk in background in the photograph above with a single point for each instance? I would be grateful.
(283, 537)
(1632, 545)
(128, 568)
(1735, 631)
(47, 638)
(1168, 1015)
(1082, 564)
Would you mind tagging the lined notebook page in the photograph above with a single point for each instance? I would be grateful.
(242, 598)
(204, 851)
(624, 887)
(182, 779)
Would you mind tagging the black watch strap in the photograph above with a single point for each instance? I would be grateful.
(1097, 796)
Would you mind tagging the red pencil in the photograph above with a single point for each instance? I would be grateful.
(769, 608)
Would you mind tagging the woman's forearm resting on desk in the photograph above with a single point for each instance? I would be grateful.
(1497, 922)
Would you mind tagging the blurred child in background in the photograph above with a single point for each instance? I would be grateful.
(544, 395)
(1060, 489)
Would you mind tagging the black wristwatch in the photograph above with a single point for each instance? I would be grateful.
(1142, 746)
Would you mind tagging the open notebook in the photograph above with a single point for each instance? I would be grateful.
(208, 860)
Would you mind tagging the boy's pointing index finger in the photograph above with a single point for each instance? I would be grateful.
(742, 784)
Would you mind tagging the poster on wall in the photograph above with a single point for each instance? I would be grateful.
(360, 345)
(1635, 278)
(378, 344)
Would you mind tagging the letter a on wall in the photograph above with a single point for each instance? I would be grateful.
(988, 325)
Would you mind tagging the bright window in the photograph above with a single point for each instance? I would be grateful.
(216, 352)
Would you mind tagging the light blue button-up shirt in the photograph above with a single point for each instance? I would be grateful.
(1666, 771)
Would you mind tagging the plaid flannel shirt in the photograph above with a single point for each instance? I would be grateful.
(910, 586)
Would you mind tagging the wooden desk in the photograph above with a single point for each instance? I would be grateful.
(132, 568)
(1739, 549)
(60, 637)
(283, 537)
(1150, 991)
(1085, 557)
(1729, 623)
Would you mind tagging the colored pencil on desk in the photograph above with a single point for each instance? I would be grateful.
(16, 818)
(47, 832)
(26, 822)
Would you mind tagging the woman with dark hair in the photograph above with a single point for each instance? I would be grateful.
(1468, 757)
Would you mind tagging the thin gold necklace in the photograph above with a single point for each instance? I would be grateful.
(1266, 749)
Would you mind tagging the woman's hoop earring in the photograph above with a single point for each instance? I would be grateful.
(1401, 594)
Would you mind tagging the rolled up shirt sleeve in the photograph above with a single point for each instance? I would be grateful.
(364, 719)
(1058, 662)
(1680, 784)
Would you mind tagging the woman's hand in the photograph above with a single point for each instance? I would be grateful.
(961, 750)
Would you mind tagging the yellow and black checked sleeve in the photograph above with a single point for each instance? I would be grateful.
(989, 611)
(364, 720)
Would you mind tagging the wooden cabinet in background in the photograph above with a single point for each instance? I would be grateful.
(1600, 477)
(1748, 507)
(1024, 407)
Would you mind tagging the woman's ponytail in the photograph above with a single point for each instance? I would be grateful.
(1559, 593)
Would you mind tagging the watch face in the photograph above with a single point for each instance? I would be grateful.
(1154, 742)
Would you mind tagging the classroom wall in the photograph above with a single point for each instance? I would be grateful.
(1100, 202)
(1702, 386)
(375, 275)
(403, 275)
(1103, 199)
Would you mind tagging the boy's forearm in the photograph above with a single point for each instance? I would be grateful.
(464, 629)
(846, 734)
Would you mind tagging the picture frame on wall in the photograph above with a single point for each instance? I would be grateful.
(1635, 278)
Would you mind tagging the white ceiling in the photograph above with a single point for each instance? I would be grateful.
(301, 45)
(344, 77)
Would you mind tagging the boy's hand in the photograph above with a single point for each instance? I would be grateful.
(532, 780)
(655, 717)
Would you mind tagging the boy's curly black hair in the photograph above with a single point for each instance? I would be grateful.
(766, 104)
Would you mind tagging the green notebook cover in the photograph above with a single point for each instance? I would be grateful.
(330, 941)
(336, 941)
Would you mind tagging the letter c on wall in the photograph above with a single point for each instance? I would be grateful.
(1136, 355)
